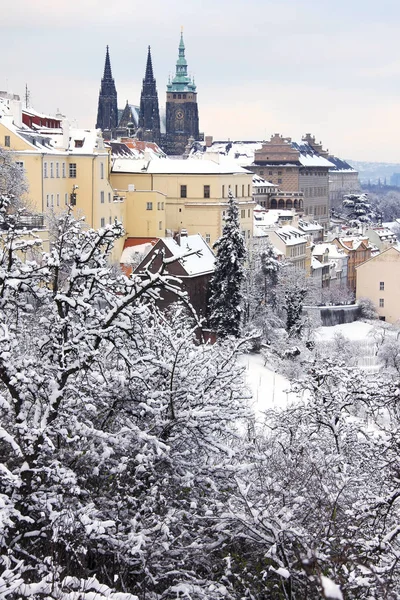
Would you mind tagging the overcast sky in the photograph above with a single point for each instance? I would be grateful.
(261, 66)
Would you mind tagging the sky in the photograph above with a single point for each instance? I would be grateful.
(261, 66)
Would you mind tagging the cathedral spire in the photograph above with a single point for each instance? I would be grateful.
(107, 67)
(107, 112)
(149, 68)
(149, 114)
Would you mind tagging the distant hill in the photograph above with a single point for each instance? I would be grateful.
(374, 171)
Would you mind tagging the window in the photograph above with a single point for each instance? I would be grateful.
(206, 191)
(66, 199)
(101, 170)
(242, 191)
(7, 141)
(102, 197)
(58, 199)
(279, 172)
(63, 170)
(48, 200)
(382, 286)
(110, 219)
(236, 190)
(279, 180)
(242, 214)
(162, 205)
(160, 225)
(149, 206)
(223, 191)
(248, 190)
(269, 172)
(183, 191)
(72, 170)
(261, 172)
(52, 200)
(248, 212)
(208, 238)
(45, 170)
(109, 196)
(51, 170)
(102, 222)
(381, 303)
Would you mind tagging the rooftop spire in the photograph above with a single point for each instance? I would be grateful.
(181, 82)
(149, 68)
(107, 66)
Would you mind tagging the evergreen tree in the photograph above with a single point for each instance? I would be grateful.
(358, 208)
(225, 300)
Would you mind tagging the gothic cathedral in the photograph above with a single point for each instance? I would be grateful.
(182, 116)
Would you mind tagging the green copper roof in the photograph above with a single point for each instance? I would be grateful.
(181, 82)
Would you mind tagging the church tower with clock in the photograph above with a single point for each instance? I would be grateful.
(182, 115)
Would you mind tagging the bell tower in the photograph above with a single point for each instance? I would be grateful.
(182, 116)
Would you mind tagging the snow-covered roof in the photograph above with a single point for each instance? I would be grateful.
(241, 152)
(333, 251)
(340, 166)
(316, 264)
(309, 226)
(195, 264)
(131, 254)
(291, 236)
(262, 183)
(269, 217)
(176, 166)
(308, 157)
(383, 233)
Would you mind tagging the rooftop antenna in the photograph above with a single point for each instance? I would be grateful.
(27, 96)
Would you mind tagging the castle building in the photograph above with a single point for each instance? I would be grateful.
(107, 112)
(182, 115)
(149, 115)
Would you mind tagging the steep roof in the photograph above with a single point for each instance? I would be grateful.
(340, 165)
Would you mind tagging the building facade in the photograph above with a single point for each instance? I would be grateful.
(358, 251)
(379, 280)
(194, 194)
(297, 167)
(182, 115)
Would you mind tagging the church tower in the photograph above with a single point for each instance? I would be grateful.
(107, 112)
(182, 116)
(149, 115)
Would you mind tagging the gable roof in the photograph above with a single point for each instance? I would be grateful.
(376, 257)
(199, 259)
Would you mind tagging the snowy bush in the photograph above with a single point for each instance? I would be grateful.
(367, 309)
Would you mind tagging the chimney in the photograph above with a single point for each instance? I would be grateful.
(209, 141)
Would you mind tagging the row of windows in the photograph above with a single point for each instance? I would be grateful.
(207, 191)
(316, 210)
(182, 96)
(243, 213)
(160, 206)
(56, 173)
(50, 198)
(53, 170)
(298, 250)
(317, 192)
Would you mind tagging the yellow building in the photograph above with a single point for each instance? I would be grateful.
(189, 194)
(379, 280)
(62, 166)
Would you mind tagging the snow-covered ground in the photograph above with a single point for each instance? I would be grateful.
(356, 331)
(272, 390)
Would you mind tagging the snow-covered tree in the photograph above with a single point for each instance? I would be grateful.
(225, 289)
(118, 435)
(357, 207)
